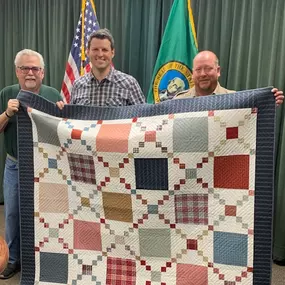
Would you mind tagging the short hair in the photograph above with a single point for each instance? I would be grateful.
(216, 60)
(101, 34)
(29, 52)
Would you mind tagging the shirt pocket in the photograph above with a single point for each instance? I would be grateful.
(119, 97)
(11, 164)
(83, 101)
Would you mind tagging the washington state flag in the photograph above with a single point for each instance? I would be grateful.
(173, 68)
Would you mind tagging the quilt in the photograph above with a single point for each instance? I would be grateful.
(176, 193)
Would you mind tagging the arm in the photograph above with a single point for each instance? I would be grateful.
(12, 108)
(137, 96)
(3, 122)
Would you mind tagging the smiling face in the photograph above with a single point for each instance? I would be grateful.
(30, 73)
(100, 54)
(206, 73)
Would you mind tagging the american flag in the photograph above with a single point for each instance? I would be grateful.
(78, 63)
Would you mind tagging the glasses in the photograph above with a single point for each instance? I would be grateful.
(26, 69)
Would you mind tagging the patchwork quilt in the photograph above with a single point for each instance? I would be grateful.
(177, 193)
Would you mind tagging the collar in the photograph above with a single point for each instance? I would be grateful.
(109, 77)
(19, 89)
(217, 89)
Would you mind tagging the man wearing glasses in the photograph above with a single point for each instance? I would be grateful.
(30, 73)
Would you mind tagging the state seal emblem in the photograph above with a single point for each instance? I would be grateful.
(171, 78)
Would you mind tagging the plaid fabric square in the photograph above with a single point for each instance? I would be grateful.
(191, 209)
(82, 168)
(120, 271)
(86, 269)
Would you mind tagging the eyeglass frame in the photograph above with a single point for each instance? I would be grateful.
(26, 69)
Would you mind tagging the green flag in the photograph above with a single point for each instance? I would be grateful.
(173, 68)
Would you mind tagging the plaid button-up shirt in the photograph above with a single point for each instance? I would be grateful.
(117, 89)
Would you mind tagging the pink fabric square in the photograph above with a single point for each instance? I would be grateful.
(187, 274)
(87, 235)
(113, 138)
(150, 136)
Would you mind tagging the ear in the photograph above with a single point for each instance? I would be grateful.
(17, 72)
(87, 52)
(113, 53)
(43, 74)
(219, 71)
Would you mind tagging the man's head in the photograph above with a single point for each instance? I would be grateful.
(206, 72)
(29, 69)
(100, 50)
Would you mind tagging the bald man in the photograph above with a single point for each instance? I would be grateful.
(206, 73)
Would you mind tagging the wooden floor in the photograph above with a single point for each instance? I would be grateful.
(278, 274)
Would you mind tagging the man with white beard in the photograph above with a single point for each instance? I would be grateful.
(30, 73)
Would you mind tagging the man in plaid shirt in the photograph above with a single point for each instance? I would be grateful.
(104, 85)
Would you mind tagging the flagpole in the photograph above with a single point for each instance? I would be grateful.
(82, 36)
(93, 6)
(78, 63)
(172, 63)
(192, 23)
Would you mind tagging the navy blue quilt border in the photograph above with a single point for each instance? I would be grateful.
(264, 183)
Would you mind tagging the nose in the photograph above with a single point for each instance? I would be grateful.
(30, 72)
(203, 72)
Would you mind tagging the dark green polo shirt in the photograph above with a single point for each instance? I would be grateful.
(10, 132)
